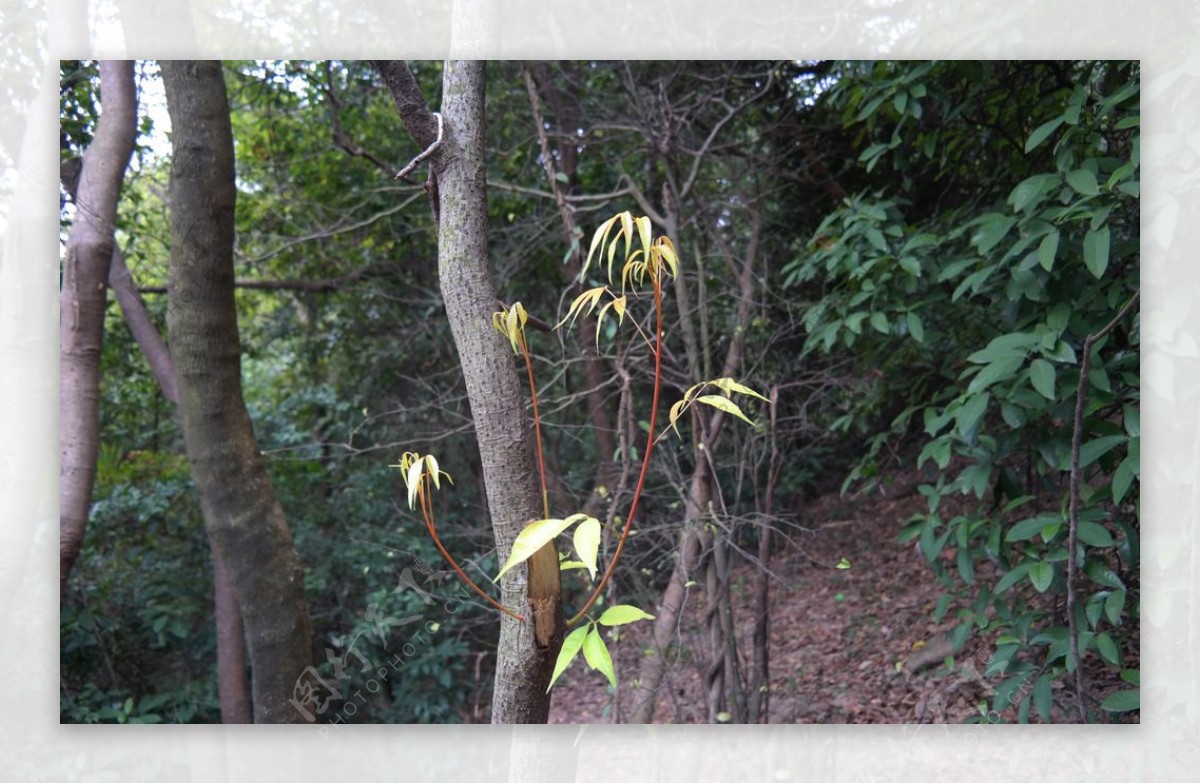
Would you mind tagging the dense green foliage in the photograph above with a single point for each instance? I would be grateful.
(1004, 233)
(937, 242)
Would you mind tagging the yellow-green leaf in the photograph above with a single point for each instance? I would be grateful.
(643, 225)
(724, 404)
(620, 614)
(570, 648)
(412, 478)
(669, 254)
(533, 538)
(596, 653)
(587, 543)
(676, 410)
(589, 298)
(728, 386)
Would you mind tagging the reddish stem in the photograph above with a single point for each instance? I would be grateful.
(637, 493)
(427, 513)
(537, 424)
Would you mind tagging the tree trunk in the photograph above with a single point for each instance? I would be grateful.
(666, 622)
(242, 514)
(82, 302)
(458, 188)
(523, 666)
(233, 687)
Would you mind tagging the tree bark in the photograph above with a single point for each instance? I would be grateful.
(82, 302)
(233, 687)
(699, 493)
(528, 649)
(242, 514)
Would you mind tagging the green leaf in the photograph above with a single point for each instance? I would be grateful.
(880, 323)
(1123, 477)
(596, 653)
(915, 327)
(1010, 579)
(971, 412)
(620, 614)
(570, 648)
(877, 241)
(1043, 696)
(1133, 421)
(1084, 182)
(534, 537)
(994, 227)
(724, 404)
(1108, 649)
(843, 564)
(1048, 249)
(1030, 191)
(1122, 701)
(1031, 527)
(1041, 375)
(1095, 251)
(1014, 344)
(1093, 450)
(1041, 574)
(1114, 604)
(1099, 573)
(1094, 534)
(999, 370)
(587, 543)
(1040, 133)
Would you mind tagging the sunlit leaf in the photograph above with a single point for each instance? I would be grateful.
(620, 614)
(589, 299)
(644, 233)
(412, 479)
(596, 653)
(587, 543)
(570, 648)
(728, 385)
(843, 564)
(724, 404)
(533, 538)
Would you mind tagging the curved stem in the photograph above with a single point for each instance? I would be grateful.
(637, 493)
(427, 513)
(537, 424)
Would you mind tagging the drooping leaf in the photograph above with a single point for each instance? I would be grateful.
(915, 327)
(1040, 133)
(570, 648)
(587, 543)
(1095, 251)
(596, 653)
(533, 537)
(620, 614)
(1041, 375)
(589, 299)
(1048, 249)
(724, 404)
(728, 386)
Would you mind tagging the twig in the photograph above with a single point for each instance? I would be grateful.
(430, 150)
(1073, 535)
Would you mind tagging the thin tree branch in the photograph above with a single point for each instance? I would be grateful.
(1073, 535)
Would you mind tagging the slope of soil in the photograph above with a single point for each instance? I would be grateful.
(853, 645)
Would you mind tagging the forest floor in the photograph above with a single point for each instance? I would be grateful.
(854, 646)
